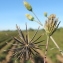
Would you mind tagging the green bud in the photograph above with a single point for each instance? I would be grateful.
(31, 18)
(28, 6)
(45, 14)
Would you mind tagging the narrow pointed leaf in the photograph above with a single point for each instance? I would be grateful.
(34, 35)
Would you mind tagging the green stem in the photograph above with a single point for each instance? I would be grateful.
(38, 22)
(37, 19)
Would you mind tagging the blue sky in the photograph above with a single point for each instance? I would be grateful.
(13, 12)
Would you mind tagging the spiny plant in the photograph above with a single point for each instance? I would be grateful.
(50, 26)
(27, 48)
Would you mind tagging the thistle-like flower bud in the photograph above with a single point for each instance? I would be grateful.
(31, 18)
(45, 14)
(51, 24)
(28, 6)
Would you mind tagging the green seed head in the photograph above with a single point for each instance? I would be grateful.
(31, 18)
(45, 14)
(28, 6)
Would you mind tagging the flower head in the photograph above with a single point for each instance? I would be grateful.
(28, 6)
(51, 24)
(30, 17)
(45, 14)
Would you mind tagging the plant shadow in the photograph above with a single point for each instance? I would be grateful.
(38, 59)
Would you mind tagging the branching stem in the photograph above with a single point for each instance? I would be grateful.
(56, 45)
(37, 19)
